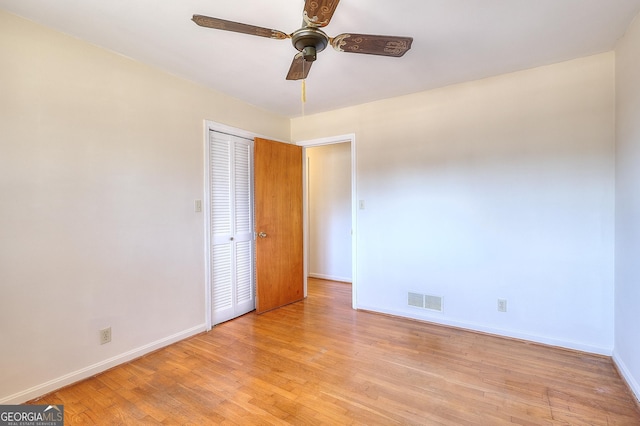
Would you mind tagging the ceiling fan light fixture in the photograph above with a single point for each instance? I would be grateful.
(309, 53)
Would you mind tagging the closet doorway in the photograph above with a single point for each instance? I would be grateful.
(231, 213)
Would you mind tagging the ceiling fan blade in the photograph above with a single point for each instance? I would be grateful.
(221, 24)
(318, 13)
(299, 68)
(372, 44)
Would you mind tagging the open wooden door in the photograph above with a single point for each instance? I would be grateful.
(278, 211)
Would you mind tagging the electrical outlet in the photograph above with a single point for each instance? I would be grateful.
(502, 305)
(105, 335)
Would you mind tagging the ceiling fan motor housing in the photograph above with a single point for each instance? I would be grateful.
(309, 41)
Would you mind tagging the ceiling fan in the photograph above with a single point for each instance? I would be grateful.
(310, 39)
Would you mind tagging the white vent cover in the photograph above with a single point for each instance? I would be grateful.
(416, 300)
(425, 301)
(433, 302)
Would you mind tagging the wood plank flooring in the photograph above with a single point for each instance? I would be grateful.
(320, 362)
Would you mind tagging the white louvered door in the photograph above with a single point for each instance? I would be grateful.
(232, 242)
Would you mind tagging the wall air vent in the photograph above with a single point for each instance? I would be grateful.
(416, 300)
(433, 303)
(425, 301)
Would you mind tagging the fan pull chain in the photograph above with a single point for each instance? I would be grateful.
(304, 91)
(303, 96)
(304, 88)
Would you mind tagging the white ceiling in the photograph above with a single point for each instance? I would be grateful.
(454, 41)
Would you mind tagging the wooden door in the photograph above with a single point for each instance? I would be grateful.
(278, 216)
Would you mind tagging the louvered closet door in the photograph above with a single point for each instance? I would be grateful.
(232, 268)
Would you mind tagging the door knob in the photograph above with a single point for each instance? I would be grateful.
(262, 235)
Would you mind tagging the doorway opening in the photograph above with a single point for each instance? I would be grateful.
(330, 210)
(329, 207)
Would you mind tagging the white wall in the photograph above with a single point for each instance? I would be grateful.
(101, 159)
(627, 290)
(329, 186)
(499, 188)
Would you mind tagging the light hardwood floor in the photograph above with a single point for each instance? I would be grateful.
(320, 362)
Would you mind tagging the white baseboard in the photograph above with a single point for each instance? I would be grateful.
(92, 370)
(496, 331)
(329, 277)
(627, 376)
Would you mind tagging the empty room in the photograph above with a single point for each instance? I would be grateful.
(320, 212)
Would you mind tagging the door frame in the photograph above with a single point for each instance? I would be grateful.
(351, 138)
